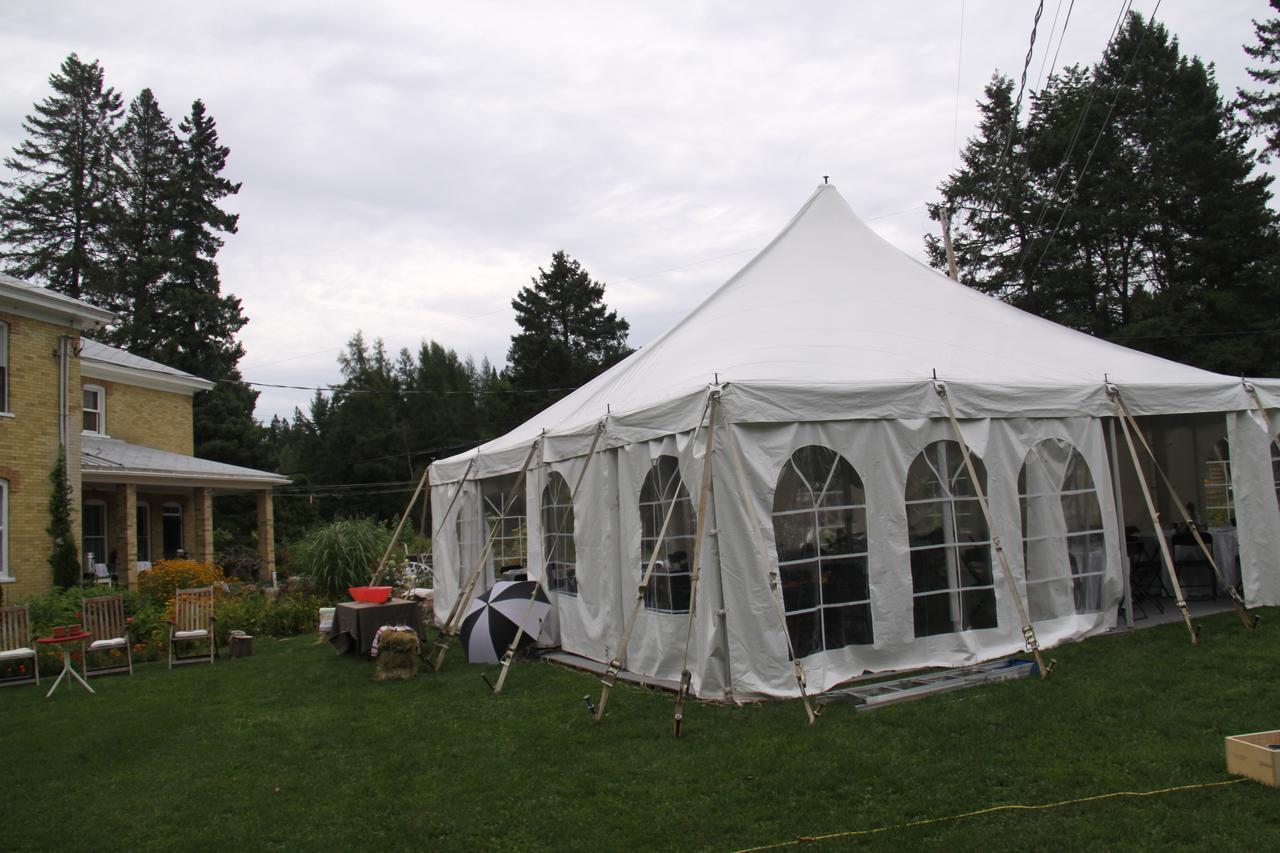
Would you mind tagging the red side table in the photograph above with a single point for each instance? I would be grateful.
(65, 642)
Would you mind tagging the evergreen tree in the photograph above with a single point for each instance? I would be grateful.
(1135, 214)
(57, 208)
(142, 229)
(64, 558)
(567, 336)
(1261, 107)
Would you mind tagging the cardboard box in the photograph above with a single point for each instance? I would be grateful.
(1248, 755)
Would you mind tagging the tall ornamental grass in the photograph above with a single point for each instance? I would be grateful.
(342, 554)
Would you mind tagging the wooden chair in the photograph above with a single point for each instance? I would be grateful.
(192, 621)
(15, 643)
(103, 618)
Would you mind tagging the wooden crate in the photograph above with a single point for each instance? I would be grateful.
(1248, 755)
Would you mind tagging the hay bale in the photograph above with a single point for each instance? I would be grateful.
(397, 656)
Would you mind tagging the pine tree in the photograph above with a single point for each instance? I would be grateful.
(56, 210)
(1261, 107)
(142, 230)
(1138, 217)
(567, 335)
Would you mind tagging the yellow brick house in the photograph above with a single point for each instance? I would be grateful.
(126, 422)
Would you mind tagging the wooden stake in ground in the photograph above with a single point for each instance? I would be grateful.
(1181, 603)
(1250, 621)
(1028, 630)
(610, 676)
(459, 609)
(510, 653)
(686, 678)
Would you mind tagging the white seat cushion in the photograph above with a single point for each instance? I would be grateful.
(114, 643)
(14, 654)
(190, 635)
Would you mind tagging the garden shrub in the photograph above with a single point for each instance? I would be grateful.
(342, 554)
(166, 577)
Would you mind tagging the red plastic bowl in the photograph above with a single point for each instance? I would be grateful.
(371, 594)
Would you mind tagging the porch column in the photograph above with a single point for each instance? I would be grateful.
(266, 535)
(126, 524)
(202, 506)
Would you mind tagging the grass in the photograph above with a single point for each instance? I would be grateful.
(295, 748)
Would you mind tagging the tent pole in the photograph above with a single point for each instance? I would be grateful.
(459, 610)
(510, 653)
(798, 667)
(686, 677)
(610, 676)
(1181, 603)
(1028, 630)
(1118, 496)
(945, 219)
(1262, 410)
(404, 516)
(1248, 619)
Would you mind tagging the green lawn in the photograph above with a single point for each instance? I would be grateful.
(297, 749)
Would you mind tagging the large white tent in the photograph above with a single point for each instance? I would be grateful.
(840, 520)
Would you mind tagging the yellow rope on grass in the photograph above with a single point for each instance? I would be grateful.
(806, 839)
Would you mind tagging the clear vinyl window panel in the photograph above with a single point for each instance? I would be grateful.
(1219, 497)
(820, 529)
(670, 585)
(949, 544)
(504, 517)
(1063, 545)
(557, 536)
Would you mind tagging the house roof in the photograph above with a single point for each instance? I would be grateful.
(41, 303)
(102, 361)
(110, 460)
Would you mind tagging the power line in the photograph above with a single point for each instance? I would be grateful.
(1017, 109)
(955, 123)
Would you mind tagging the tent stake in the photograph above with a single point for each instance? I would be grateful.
(459, 609)
(610, 676)
(1114, 393)
(686, 678)
(1250, 621)
(510, 653)
(798, 668)
(1028, 630)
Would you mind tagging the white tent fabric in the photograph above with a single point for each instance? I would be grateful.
(831, 337)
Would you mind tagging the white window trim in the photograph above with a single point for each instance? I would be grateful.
(6, 575)
(145, 508)
(182, 525)
(4, 365)
(101, 410)
(84, 543)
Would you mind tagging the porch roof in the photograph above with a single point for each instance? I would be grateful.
(110, 460)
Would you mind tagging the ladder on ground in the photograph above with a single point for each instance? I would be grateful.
(869, 696)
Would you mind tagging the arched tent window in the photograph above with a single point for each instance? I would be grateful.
(1063, 546)
(950, 545)
(820, 527)
(557, 536)
(504, 509)
(668, 590)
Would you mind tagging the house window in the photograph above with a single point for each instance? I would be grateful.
(557, 536)
(4, 367)
(144, 532)
(94, 534)
(171, 529)
(1063, 545)
(668, 590)
(952, 588)
(820, 527)
(95, 409)
(4, 529)
(504, 510)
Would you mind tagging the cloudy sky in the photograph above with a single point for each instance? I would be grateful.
(407, 167)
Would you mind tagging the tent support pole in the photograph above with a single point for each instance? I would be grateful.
(686, 678)
(1028, 630)
(1262, 410)
(763, 551)
(510, 653)
(459, 609)
(1181, 603)
(610, 676)
(404, 516)
(1118, 496)
(1247, 618)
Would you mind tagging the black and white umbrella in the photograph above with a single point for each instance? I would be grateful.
(495, 615)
